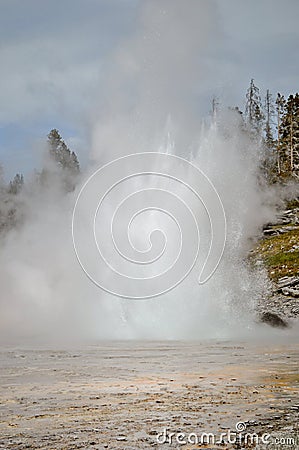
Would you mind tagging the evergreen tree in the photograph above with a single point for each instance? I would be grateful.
(15, 186)
(66, 161)
(11, 205)
(253, 112)
(289, 140)
(215, 108)
(280, 109)
(61, 154)
(1, 177)
(268, 164)
(269, 114)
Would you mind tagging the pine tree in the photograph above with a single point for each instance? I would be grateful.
(215, 108)
(66, 161)
(280, 109)
(269, 144)
(61, 154)
(11, 205)
(289, 142)
(269, 114)
(1, 177)
(16, 185)
(253, 112)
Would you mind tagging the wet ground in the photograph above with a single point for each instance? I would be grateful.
(125, 395)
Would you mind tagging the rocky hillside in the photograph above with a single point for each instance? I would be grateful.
(278, 251)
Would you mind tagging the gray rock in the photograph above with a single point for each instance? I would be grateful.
(270, 232)
(287, 281)
(290, 291)
(273, 319)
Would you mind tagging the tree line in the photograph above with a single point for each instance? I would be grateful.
(62, 170)
(274, 124)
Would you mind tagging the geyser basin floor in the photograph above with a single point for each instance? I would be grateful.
(120, 395)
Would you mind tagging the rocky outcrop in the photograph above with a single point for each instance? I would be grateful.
(289, 216)
(268, 231)
(282, 303)
(287, 282)
(278, 251)
(273, 319)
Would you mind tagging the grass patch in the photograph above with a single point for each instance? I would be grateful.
(283, 258)
(280, 254)
(292, 204)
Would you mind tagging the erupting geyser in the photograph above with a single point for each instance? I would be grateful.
(152, 79)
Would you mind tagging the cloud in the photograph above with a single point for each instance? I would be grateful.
(76, 65)
(260, 41)
(52, 54)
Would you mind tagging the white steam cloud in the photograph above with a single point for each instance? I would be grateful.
(155, 78)
(150, 104)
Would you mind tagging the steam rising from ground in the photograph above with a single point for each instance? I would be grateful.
(44, 290)
(149, 105)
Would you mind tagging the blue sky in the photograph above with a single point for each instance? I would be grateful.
(56, 58)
